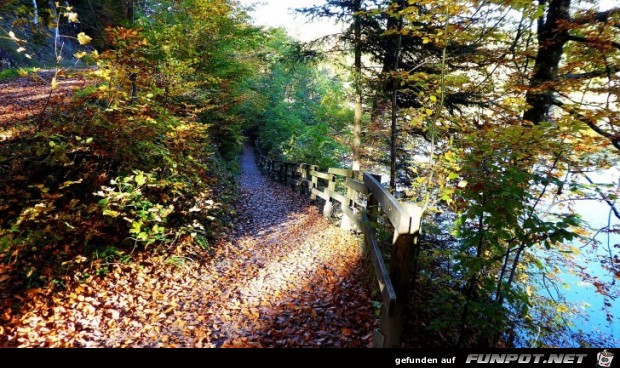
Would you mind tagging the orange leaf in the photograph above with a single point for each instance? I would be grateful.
(346, 331)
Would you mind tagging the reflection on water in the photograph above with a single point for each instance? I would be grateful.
(598, 314)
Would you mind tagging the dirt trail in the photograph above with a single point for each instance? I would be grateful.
(286, 277)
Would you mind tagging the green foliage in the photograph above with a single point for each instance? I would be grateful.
(126, 200)
(9, 74)
(114, 170)
(298, 109)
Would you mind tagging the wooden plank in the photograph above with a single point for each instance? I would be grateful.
(391, 321)
(339, 197)
(383, 276)
(354, 219)
(321, 175)
(397, 214)
(357, 186)
(320, 193)
(340, 172)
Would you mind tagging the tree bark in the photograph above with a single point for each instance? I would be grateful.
(357, 121)
(394, 117)
(35, 17)
(552, 37)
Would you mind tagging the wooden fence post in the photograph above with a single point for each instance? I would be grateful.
(404, 254)
(346, 223)
(328, 208)
(314, 183)
(304, 176)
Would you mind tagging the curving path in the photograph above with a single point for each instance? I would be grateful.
(286, 277)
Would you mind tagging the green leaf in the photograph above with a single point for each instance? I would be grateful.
(136, 227)
(110, 213)
(140, 179)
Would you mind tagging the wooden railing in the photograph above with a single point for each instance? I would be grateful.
(361, 196)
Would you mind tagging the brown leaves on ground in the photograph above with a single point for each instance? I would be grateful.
(24, 98)
(286, 278)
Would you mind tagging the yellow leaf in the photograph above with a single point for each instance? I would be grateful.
(54, 84)
(428, 112)
(433, 98)
(83, 39)
(462, 184)
(425, 40)
(22, 73)
(73, 17)
(79, 55)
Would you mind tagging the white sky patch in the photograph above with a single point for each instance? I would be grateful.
(281, 13)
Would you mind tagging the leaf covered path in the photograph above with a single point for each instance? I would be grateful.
(286, 277)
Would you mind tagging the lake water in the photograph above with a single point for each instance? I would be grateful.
(584, 295)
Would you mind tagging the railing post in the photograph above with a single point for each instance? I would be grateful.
(304, 176)
(345, 222)
(296, 171)
(404, 254)
(328, 208)
(314, 183)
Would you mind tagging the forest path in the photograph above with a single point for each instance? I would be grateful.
(295, 277)
(285, 277)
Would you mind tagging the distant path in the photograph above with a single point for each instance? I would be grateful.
(286, 277)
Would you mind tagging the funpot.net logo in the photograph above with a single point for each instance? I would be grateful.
(525, 358)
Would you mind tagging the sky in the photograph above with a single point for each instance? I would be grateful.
(280, 13)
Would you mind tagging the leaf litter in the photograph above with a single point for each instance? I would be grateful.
(285, 277)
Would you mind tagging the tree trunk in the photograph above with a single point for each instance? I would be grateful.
(552, 36)
(35, 17)
(357, 121)
(395, 82)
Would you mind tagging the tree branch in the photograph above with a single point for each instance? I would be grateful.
(593, 41)
(600, 17)
(604, 197)
(610, 70)
(613, 138)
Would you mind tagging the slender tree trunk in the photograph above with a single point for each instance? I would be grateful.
(394, 118)
(133, 77)
(35, 18)
(357, 121)
(382, 96)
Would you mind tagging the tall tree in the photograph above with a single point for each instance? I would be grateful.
(357, 122)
